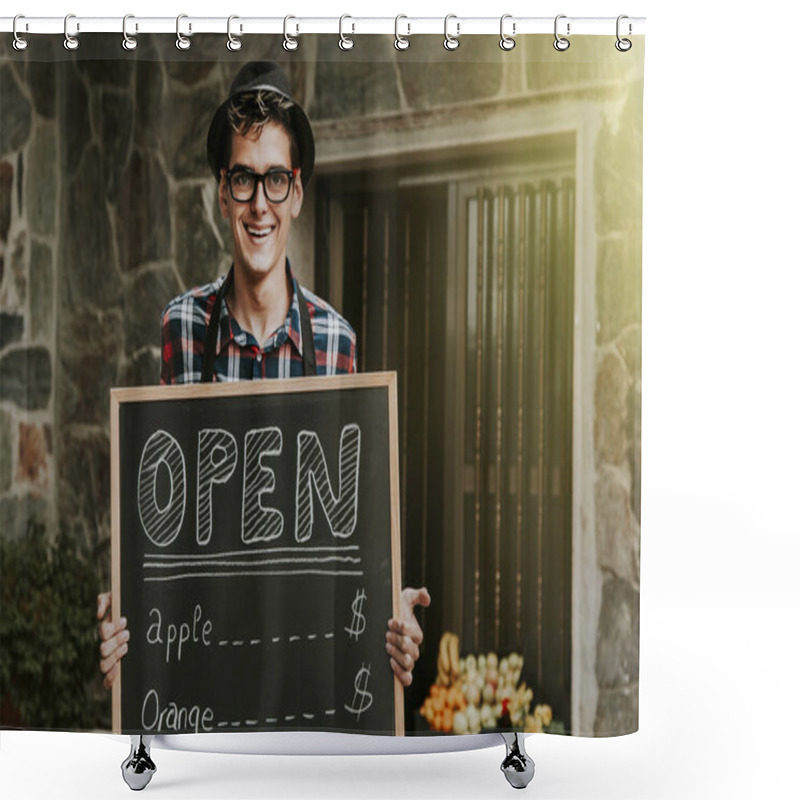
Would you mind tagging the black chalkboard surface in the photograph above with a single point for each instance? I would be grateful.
(255, 555)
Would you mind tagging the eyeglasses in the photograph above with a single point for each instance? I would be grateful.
(243, 183)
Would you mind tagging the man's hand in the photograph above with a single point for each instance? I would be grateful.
(405, 635)
(113, 639)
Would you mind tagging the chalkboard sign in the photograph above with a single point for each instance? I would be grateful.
(256, 555)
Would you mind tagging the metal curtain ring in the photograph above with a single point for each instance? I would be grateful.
(401, 42)
(506, 42)
(182, 42)
(70, 42)
(128, 42)
(451, 42)
(288, 42)
(345, 42)
(19, 43)
(561, 44)
(623, 45)
(234, 43)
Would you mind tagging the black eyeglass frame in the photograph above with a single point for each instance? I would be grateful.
(261, 178)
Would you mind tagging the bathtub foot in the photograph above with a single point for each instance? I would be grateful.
(517, 766)
(138, 768)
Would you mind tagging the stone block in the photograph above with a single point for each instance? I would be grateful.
(197, 249)
(149, 82)
(629, 345)
(194, 70)
(143, 212)
(618, 168)
(18, 514)
(17, 113)
(617, 711)
(617, 664)
(141, 369)
(143, 303)
(612, 383)
(6, 452)
(17, 291)
(183, 127)
(116, 131)
(6, 187)
(84, 489)
(352, 87)
(617, 528)
(115, 72)
(74, 127)
(87, 268)
(90, 349)
(473, 72)
(634, 434)
(40, 77)
(41, 291)
(34, 445)
(41, 180)
(26, 377)
(12, 328)
(619, 284)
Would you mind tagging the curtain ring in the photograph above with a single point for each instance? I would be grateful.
(234, 43)
(288, 42)
(401, 42)
(182, 42)
(345, 42)
(561, 44)
(128, 42)
(451, 42)
(19, 43)
(506, 42)
(623, 45)
(70, 42)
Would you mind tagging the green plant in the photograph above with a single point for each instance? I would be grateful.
(48, 651)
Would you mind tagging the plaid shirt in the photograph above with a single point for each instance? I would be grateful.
(239, 355)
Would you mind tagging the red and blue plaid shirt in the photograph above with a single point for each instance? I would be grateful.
(239, 355)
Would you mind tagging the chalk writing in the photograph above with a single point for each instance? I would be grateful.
(217, 454)
(362, 699)
(259, 522)
(304, 560)
(341, 513)
(182, 634)
(359, 621)
(161, 524)
(217, 459)
(173, 717)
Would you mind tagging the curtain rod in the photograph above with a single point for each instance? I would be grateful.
(406, 26)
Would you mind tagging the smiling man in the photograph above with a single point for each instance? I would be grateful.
(257, 321)
(251, 324)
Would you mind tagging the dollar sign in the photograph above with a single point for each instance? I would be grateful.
(359, 621)
(362, 699)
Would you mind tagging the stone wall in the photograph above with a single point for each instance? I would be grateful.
(617, 410)
(107, 210)
(28, 472)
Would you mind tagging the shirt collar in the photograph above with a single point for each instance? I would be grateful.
(230, 330)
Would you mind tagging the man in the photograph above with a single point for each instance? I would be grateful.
(258, 322)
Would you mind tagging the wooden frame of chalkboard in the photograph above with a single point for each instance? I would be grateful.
(256, 598)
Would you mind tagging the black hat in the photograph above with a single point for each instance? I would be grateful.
(268, 76)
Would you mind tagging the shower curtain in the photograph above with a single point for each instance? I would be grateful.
(475, 216)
